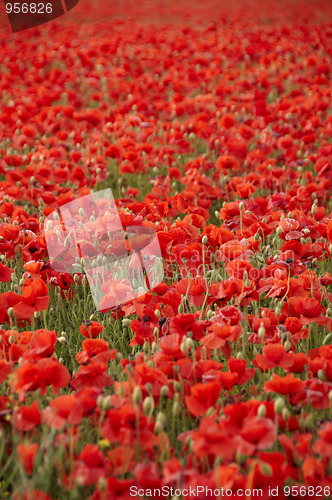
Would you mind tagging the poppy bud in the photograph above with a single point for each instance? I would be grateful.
(266, 469)
(150, 363)
(313, 209)
(12, 339)
(203, 353)
(328, 338)
(102, 484)
(156, 331)
(148, 405)
(146, 348)
(210, 314)
(184, 347)
(154, 347)
(306, 230)
(256, 237)
(261, 331)
(137, 395)
(239, 355)
(261, 412)
(190, 344)
(314, 261)
(217, 214)
(180, 309)
(204, 240)
(279, 404)
(241, 205)
(164, 391)
(279, 230)
(176, 408)
(285, 414)
(62, 340)
(287, 345)
(126, 322)
(321, 375)
(157, 313)
(61, 361)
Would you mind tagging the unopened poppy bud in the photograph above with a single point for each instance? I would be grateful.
(10, 312)
(261, 330)
(137, 395)
(164, 391)
(177, 385)
(287, 345)
(102, 484)
(176, 409)
(118, 357)
(158, 428)
(279, 308)
(146, 348)
(12, 339)
(156, 331)
(150, 363)
(106, 403)
(313, 209)
(61, 361)
(210, 314)
(266, 469)
(247, 282)
(76, 278)
(157, 313)
(81, 211)
(241, 205)
(32, 179)
(190, 344)
(126, 322)
(256, 237)
(180, 309)
(148, 405)
(285, 414)
(121, 391)
(314, 261)
(183, 347)
(279, 404)
(279, 230)
(306, 230)
(321, 375)
(62, 340)
(217, 214)
(239, 355)
(154, 347)
(204, 240)
(261, 412)
(203, 353)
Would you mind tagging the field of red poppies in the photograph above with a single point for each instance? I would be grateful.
(211, 123)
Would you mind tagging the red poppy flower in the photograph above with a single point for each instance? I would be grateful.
(91, 329)
(284, 385)
(27, 417)
(26, 455)
(273, 355)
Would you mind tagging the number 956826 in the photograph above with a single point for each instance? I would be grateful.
(28, 8)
